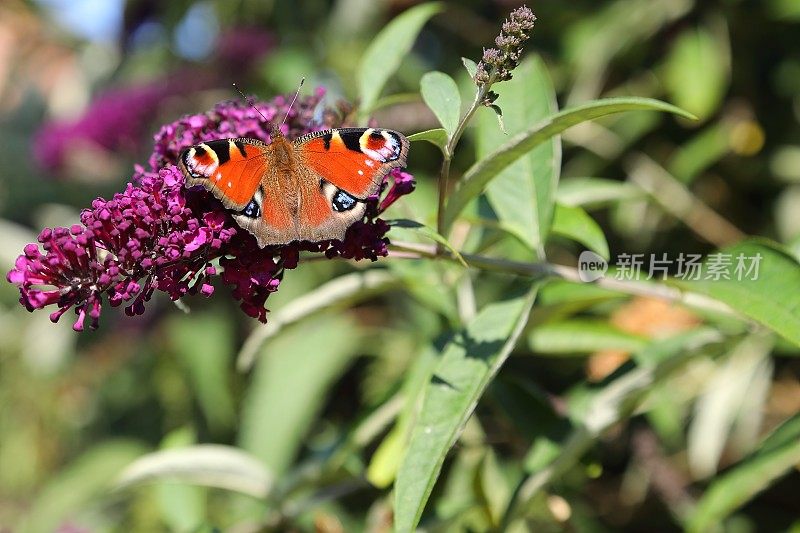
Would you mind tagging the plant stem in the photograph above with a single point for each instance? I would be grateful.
(444, 173)
(550, 270)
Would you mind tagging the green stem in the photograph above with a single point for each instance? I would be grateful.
(449, 149)
(550, 270)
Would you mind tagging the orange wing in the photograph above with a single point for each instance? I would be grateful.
(353, 159)
(231, 169)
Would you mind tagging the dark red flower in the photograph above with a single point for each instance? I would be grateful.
(159, 235)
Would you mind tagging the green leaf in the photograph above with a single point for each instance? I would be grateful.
(593, 410)
(470, 65)
(595, 192)
(182, 505)
(483, 171)
(204, 344)
(289, 385)
(574, 223)
(441, 95)
(722, 401)
(695, 73)
(340, 292)
(576, 335)
(707, 147)
(436, 137)
(83, 481)
(778, 453)
(764, 299)
(429, 233)
(387, 51)
(385, 461)
(209, 465)
(467, 366)
(522, 194)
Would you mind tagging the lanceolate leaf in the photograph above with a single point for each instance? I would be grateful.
(210, 465)
(339, 292)
(441, 95)
(436, 136)
(574, 335)
(468, 364)
(387, 51)
(522, 195)
(768, 295)
(470, 65)
(595, 192)
(482, 172)
(776, 455)
(289, 385)
(574, 223)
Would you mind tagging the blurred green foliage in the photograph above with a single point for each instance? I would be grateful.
(596, 408)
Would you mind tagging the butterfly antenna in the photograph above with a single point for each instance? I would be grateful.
(296, 93)
(250, 102)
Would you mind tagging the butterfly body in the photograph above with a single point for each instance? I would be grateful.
(309, 189)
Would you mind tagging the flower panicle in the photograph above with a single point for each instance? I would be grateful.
(497, 64)
(157, 235)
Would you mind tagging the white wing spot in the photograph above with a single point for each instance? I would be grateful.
(230, 184)
(368, 162)
(360, 172)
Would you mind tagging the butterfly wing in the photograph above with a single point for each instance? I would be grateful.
(235, 171)
(355, 160)
(231, 169)
(345, 166)
(312, 189)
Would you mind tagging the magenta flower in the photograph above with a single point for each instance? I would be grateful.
(116, 120)
(157, 235)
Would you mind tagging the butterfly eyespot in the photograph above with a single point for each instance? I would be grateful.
(252, 209)
(342, 201)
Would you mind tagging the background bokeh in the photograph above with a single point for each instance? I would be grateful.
(85, 84)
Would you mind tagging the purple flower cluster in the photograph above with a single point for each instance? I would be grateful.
(159, 235)
(116, 120)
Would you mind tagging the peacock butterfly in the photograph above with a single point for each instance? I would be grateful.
(309, 189)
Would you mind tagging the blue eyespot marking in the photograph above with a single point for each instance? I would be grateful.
(342, 201)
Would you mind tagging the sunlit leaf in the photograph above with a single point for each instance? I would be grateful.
(595, 192)
(385, 461)
(775, 456)
(289, 384)
(482, 172)
(437, 137)
(756, 293)
(575, 335)
(696, 72)
(340, 292)
(522, 194)
(574, 223)
(719, 405)
(209, 465)
(387, 51)
(470, 65)
(182, 505)
(468, 364)
(204, 344)
(441, 95)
